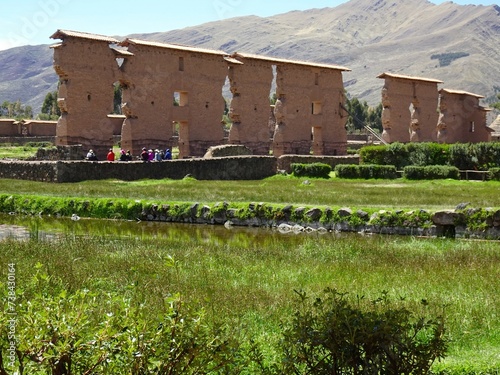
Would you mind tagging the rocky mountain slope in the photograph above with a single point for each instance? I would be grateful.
(457, 44)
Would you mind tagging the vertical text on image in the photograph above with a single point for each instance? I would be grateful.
(11, 312)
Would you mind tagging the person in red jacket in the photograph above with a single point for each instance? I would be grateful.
(111, 155)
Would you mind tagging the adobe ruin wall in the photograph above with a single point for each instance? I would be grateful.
(172, 95)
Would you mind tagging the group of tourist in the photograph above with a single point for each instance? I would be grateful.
(146, 155)
(156, 155)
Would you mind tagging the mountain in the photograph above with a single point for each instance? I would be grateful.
(27, 75)
(458, 44)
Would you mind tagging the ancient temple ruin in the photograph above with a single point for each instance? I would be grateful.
(409, 108)
(172, 94)
(307, 111)
(414, 110)
(87, 69)
(461, 118)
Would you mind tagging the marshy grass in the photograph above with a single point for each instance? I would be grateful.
(386, 194)
(250, 281)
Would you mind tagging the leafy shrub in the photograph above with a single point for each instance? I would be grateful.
(38, 144)
(427, 153)
(373, 155)
(366, 171)
(331, 335)
(319, 170)
(494, 174)
(347, 171)
(82, 332)
(397, 155)
(475, 156)
(431, 172)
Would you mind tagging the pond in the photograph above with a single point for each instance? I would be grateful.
(26, 227)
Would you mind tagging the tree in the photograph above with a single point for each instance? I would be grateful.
(16, 110)
(497, 104)
(361, 114)
(50, 109)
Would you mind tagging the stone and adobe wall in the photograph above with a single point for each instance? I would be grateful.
(65, 164)
(169, 89)
(415, 111)
(307, 111)
(9, 128)
(227, 168)
(461, 118)
(308, 107)
(27, 128)
(87, 68)
(153, 77)
(250, 82)
(410, 104)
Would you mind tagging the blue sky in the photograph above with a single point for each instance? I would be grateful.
(33, 21)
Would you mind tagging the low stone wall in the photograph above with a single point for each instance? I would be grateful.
(29, 170)
(285, 161)
(60, 153)
(232, 168)
(23, 140)
(297, 219)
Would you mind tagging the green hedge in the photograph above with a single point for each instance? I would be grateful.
(472, 156)
(494, 174)
(319, 170)
(431, 172)
(366, 171)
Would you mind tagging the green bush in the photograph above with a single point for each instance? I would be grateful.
(333, 335)
(431, 172)
(373, 155)
(494, 174)
(366, 171)
(319, 170)
(83, 332)
(347, 171)
(472, 156)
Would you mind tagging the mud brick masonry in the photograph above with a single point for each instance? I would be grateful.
(172, 94)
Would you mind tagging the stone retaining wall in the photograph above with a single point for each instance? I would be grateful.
(52, 168)
(232, 168)
(450, 224)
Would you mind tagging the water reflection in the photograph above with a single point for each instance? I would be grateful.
(26, 227)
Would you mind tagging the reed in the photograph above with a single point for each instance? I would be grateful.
(245, 280)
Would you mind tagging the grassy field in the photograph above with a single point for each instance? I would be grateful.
(384, 194)
(248, 279)
(17, 152)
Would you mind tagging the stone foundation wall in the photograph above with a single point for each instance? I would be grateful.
(75, 152)
(24, 140)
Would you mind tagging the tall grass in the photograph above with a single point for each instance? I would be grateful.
(385, 194)
(250, 280)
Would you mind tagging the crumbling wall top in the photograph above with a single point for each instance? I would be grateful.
(460, 92)
(275, 60)
(177, 47)
(409, 78)
(63, 34)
